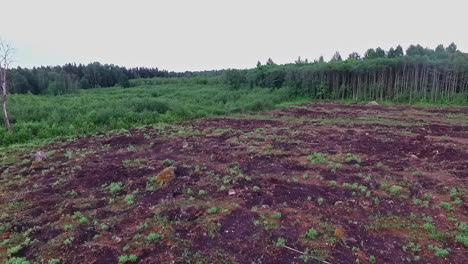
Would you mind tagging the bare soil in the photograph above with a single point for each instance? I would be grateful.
(387, 174)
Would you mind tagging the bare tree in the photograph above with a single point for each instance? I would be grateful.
(6, 53)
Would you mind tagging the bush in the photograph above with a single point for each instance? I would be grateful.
(17, 261)
(311, 234)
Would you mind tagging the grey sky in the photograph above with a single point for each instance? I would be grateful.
(214, 34)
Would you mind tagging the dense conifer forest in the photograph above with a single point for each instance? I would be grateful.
(423, 74)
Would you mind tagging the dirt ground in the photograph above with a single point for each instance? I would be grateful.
(317, 183)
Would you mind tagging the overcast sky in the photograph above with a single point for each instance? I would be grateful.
(214, 34)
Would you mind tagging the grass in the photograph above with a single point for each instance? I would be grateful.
(43, 118)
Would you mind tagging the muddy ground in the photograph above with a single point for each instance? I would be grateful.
(314, 183)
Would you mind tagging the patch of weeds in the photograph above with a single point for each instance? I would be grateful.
(462, 236)
(68, 241)
(334, 166)
(72, 194)
(276, 215)
(69, 154)
(68, 228)
(142, 226)
(168, 162)
(131, 148)
(429, 228)
(385, 222)
(126, 248)
(311, 234)
(114, 188)
(131, 163)
(454, 193)
(80, 217)
(212, 210)
(317, 158)
(201, 192)
(446, 206)
(305, 176)
(320, 201)
(14, 250)
(439, 252)
(395, 190)
(353, 186)
(16, 260)
(333, 183)
(54, 261)
(363, 189)
(372, 259)
(266, 223)
(154, 237)
(351, 158)
(412, 247)
(127, 258)
(256, 188)
(130, 199)
(281, 242)
(151, 184)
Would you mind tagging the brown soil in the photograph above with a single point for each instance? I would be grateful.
(243, 184)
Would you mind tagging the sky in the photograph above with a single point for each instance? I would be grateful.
(180, 35)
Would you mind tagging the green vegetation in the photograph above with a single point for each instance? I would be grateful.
(420, 75)
(17, 261)
(281, 242)
(311, 234)
(318, 158)
(154, 237)
(127, 258)
(44, 117)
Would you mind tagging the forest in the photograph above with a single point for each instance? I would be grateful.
(437, 75)
(70, 78)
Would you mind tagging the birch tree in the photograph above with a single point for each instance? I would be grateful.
(6, 53)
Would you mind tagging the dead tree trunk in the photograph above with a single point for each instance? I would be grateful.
(5, 60)
(4, 100)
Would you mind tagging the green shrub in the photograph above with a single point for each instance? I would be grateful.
(127, 258)
(311, 234)
(281, 242)
(441, 253)
(14, 250)
(212, 210)
(154, 237)
(17, 261)
(276, 215)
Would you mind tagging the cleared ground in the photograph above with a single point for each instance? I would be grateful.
(321, 182)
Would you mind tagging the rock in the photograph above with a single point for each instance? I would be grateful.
(413, 157)
(339, 233)
(364, 204)
(185, 144)
(165, 176)
(372, 103)
(40, 156)
(232, 192)
(38, 162)
(338, 203)
(36, 165)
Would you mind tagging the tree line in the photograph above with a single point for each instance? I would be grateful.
(419, 74)
(70, 78)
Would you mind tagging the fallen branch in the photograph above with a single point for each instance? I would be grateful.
(303, 253)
